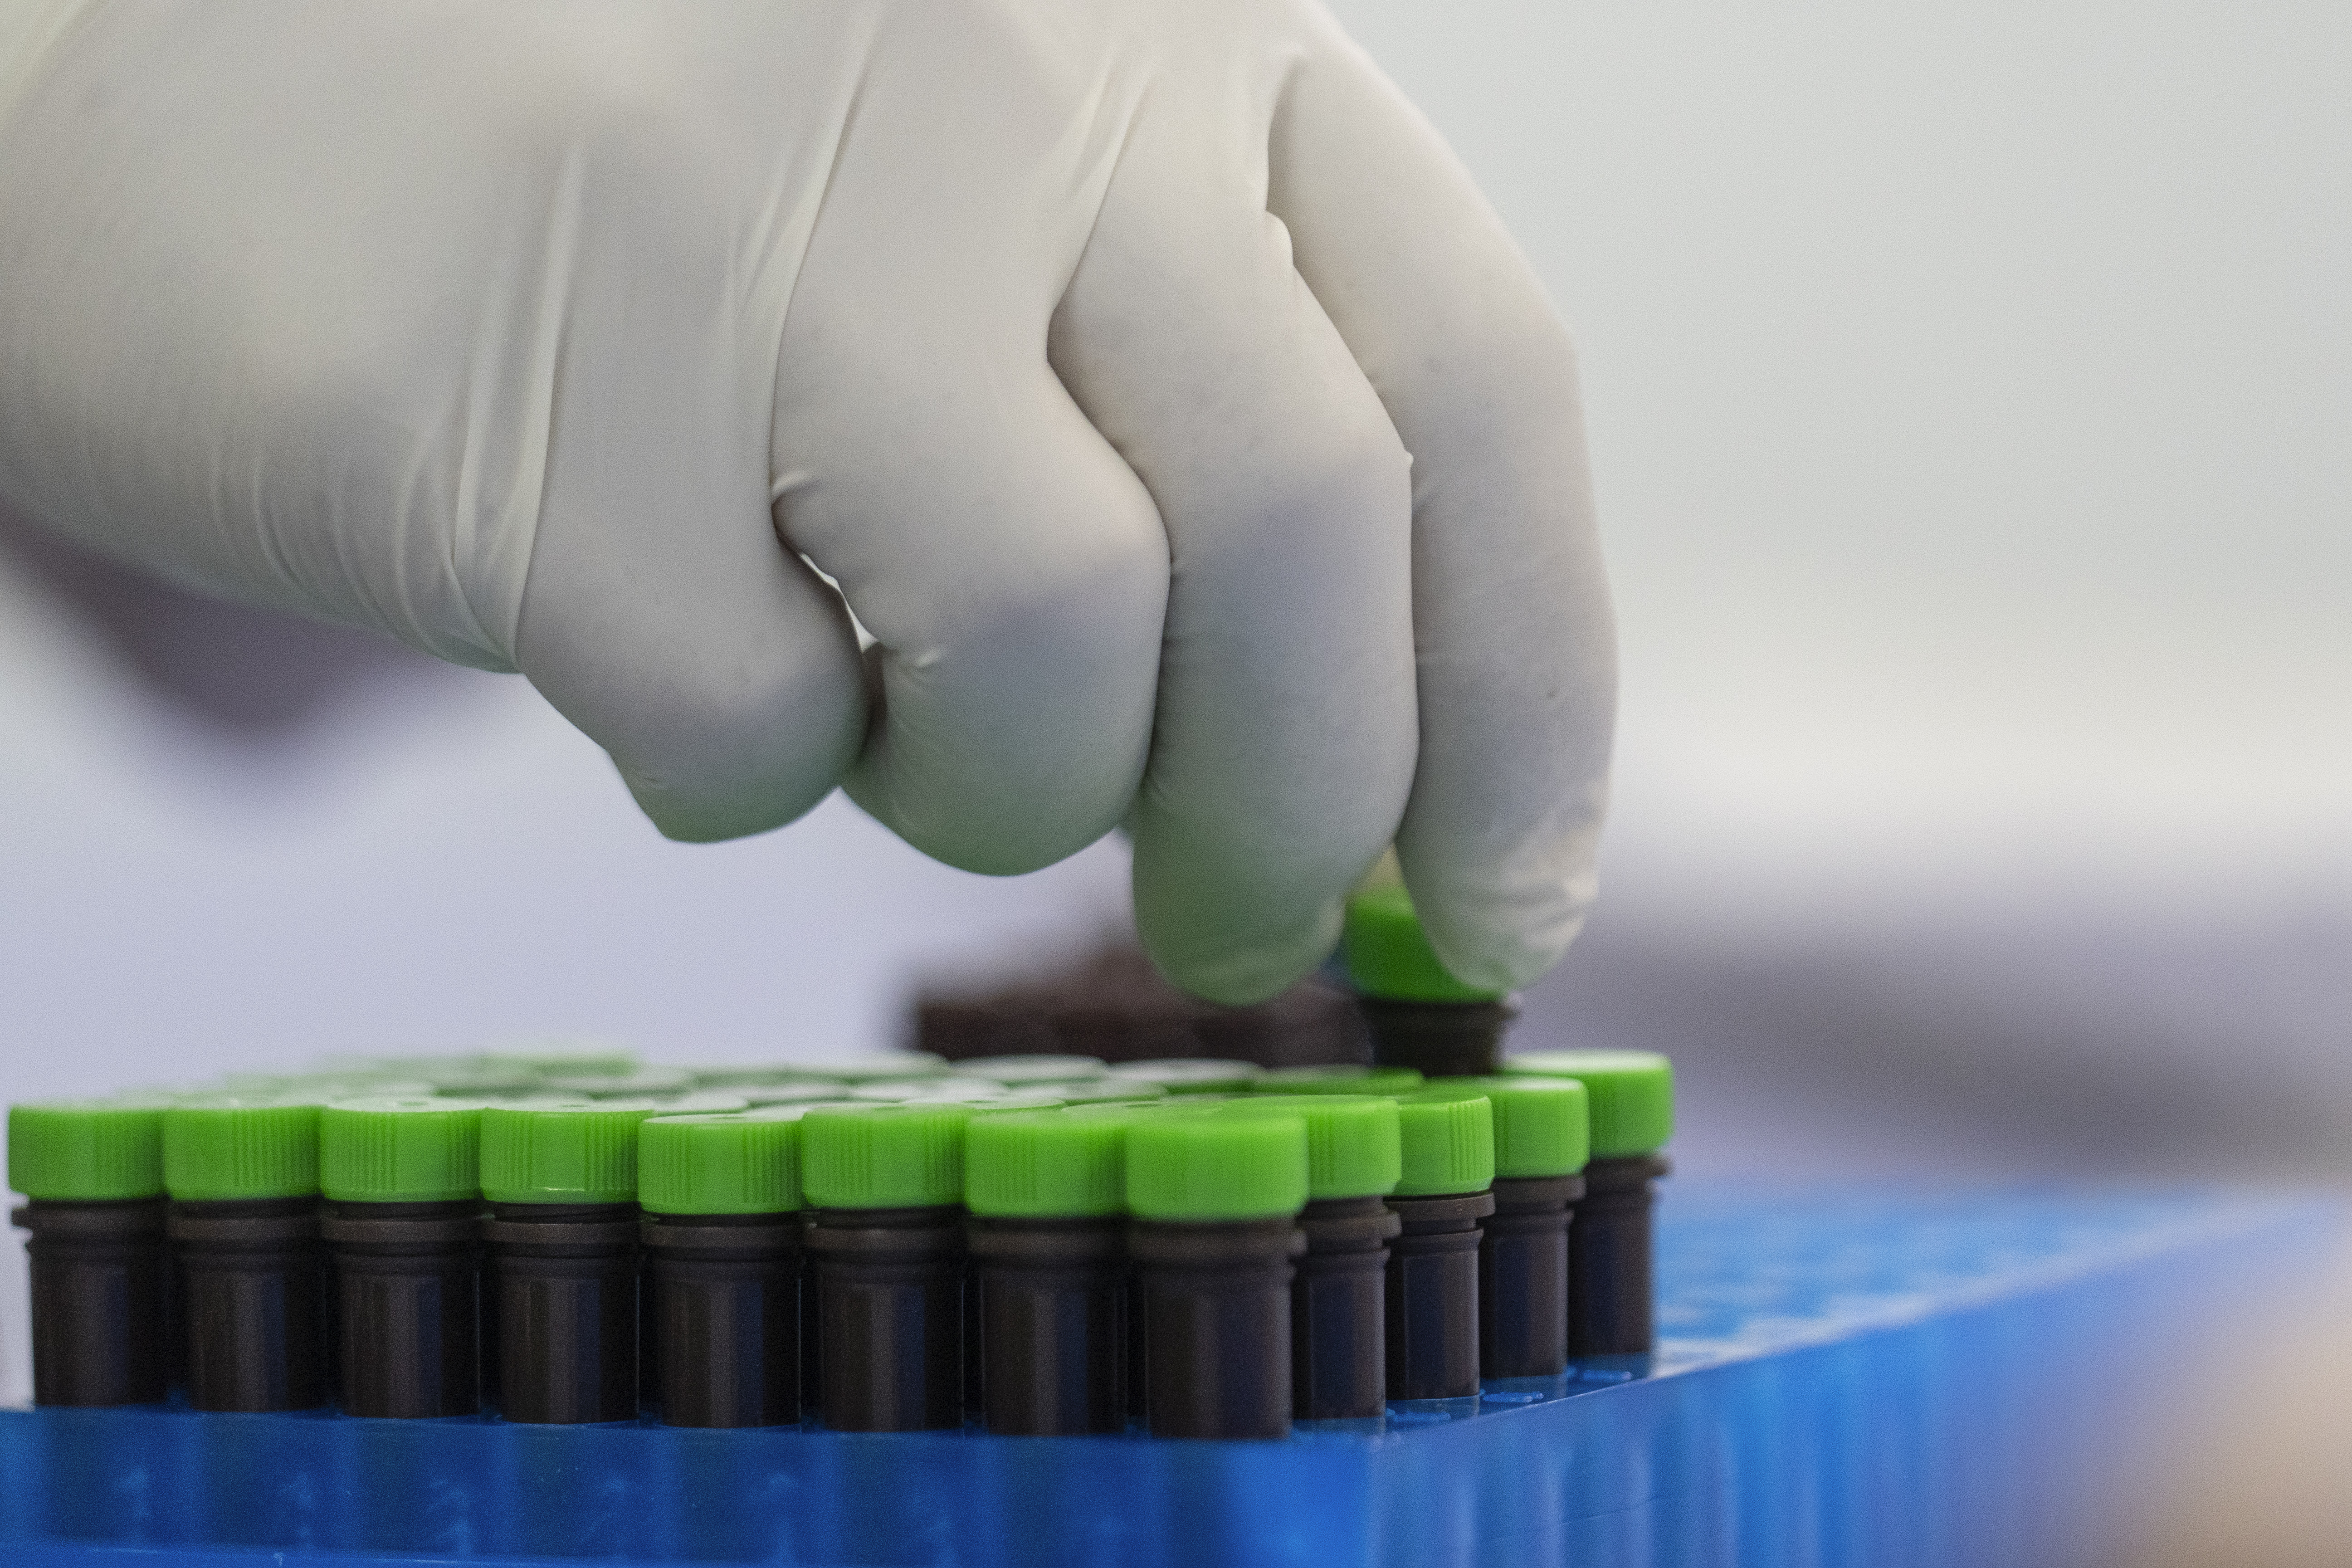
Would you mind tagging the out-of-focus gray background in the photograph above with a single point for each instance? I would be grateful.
(1972, 395)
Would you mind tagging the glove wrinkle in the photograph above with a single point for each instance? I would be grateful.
(515, 387)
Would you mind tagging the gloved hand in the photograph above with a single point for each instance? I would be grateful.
(1081, 342)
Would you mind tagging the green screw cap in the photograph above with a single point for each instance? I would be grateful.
(1542, 1126)
(895, 1091)
(866, 1155)
(1632, 1095)
(804, 1093)
(719, 1162)
(1110, 1091)
(1448, 1137)
(576, 1153)
(1036, 1164)
(1046, 1099)
(1189, 1075)
(221, 1148)
(512, 1083)
(558, 1057)
(1037, 1069)
(740, 1075)
(872, 1067)
(634, 1084)
(698, 1101)
(86, 1151)
(1354, 1146)
(399, 1150)
(1340, 1080)
(1388, 955)
(1211, 1165)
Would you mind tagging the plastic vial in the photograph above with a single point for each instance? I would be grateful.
(93, 1174)
(561, 1183)
(721, 1195)
(1611, 1299)
(1421, 1016)
(1541, 1140)
(1215, 1199)
(402, 1178)
(242, 1175)
(1046, 1234)
(884, 1184)
(1444, 1193)
(1339, 1302)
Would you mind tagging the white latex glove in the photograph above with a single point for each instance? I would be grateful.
(1081, 342)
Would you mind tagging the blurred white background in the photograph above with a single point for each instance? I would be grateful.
(1971, 398)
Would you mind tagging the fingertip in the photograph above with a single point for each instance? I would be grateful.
(1218, 961)
(693, 818)
(986, 845)
(1508, 931)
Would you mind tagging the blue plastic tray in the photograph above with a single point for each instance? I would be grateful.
(1867, 1380)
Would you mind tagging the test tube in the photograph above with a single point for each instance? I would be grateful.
(561, 1183)
(1215, 1199)
(1443, 1194)
(1541, 1142)
(1339, 1307)
(93, 1176)
(884, 1184)
(1419, 1015)
(242, 1175)
(402, 1178)
(721, 1195)
(1612, 1294)
(1045, 1190)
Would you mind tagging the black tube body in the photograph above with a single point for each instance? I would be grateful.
(407, 1304)
(1053, 1325)
(1131, 1317)
(1432, 1296)
(255, 1307)
(1611, 1293)
(1438, 1039)
(486, 1324)
(889, 1304)
(1523, 1276)
(723, 1301)
(975, 1395)
(101, 1313)
(566, 1282)
(1216, 1325)
(1339, 1310)
(812, 1339)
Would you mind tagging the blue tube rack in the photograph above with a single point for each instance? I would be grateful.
(1844, 1380)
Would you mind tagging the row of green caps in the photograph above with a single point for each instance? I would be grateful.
(1453, 1136)
(885, 1074)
